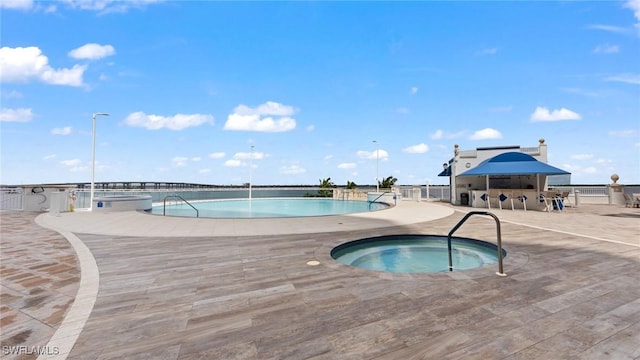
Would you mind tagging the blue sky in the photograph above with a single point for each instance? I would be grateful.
(191, 87)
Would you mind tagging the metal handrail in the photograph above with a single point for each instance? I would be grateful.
(381, 195)
(164, 205)
(500, 270)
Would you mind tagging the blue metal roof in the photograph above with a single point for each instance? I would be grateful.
(513, 163)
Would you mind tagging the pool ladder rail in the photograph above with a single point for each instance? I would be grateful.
(381, 195)
(164, 206)
(500, 269)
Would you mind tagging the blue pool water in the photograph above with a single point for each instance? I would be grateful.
(267, 208)
(415, 253)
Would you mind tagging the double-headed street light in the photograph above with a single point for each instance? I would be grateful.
(93, 158)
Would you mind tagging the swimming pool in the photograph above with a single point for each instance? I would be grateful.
(268, 208)
(415, 253)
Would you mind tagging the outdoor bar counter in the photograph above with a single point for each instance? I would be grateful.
(505, 197)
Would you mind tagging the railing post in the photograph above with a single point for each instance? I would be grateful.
(499, 240)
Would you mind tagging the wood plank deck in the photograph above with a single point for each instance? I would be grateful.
(254, 297)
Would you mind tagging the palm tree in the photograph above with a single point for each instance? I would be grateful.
(325, 187)
(387, 183)
(351, 185)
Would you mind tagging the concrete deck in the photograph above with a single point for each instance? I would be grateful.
(156, 287)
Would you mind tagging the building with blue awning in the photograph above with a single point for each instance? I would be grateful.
(509, 169)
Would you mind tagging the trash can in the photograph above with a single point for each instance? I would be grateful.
(464, 199)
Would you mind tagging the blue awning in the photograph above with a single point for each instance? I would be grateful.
(513, 163)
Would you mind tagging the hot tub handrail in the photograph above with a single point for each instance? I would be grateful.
(164, 205)
(500, 269)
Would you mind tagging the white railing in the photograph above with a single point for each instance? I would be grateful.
(588, 191)
(423, 193)
(11, 198)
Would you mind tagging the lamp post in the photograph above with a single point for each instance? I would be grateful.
(250, 171)
(377, 165)
(93, 158)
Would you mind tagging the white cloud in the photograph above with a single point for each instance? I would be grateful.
(608, 28)
(543, 114)
(292, 170)
(485, 134)
(16, 4)
(634, 5)
(72, 162)
(414, 90)
(179, 161)
(582, 156)
(92, 52)
(623, 133)
(268, 108)
(23, 64)
(245, 118)
(196, 159)
(49, 157)
(603, 161)
(327, 157)
(234, 163)
(311, 128)
(625, 78)
(204, 171)
(217, 155)
(439, 134)
(175, 122)
(108, 6)
(606, 49)
(102, 6)
(373, 155)
(249, 155)
(16, 115)
(577, 169)
(347, 166)
(61, 131)
(417, 149)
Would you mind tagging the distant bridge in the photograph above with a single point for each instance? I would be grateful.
(153, 185)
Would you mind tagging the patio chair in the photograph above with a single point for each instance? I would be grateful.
(521, 197)
(565, 198)
(550, 202)
(485, 198)
(556, 200)
(544, 202)
(504, 196)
